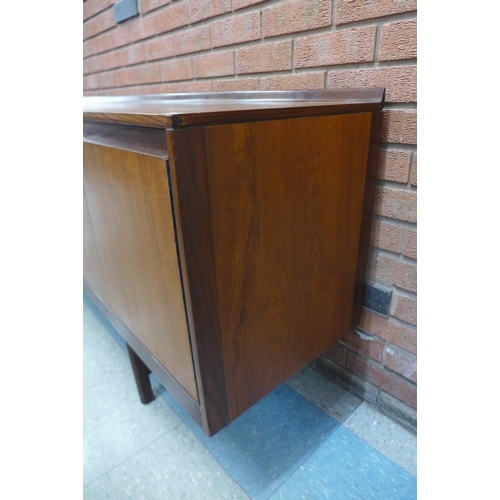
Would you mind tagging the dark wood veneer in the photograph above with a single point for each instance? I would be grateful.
(183, 110)
(252, 234)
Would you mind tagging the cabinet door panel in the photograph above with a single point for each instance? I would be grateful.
(92, 269)
(129, 205)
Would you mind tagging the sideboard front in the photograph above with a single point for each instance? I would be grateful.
(136, 270)
(228, 242)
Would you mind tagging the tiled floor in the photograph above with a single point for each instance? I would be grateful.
(309, 439)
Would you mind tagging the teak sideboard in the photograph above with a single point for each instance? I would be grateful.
(226, 234)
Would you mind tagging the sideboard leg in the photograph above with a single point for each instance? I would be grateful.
(141, 374)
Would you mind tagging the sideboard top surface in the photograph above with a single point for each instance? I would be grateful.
(211, 108)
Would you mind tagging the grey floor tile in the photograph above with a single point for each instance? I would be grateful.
(176, 466)
(331, 398)
(105, 489)
(384, 435)
(102, 356)
(117, 424)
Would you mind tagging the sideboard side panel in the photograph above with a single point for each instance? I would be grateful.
(286, 200)
(129, 205)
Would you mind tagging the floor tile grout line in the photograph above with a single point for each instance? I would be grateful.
(312, 402)
(135, 452)
(330, 434)
(378, 451)
(346, 428)
(348, 416)
(122, 371)
(294, 470)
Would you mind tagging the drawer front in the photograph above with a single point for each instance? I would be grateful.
(130, 215)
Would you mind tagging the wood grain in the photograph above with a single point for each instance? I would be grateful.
(141, 376)
(149, 360)
(194, 226)
(92, 268)
(150, 141)
(183, 110)
(129, 205)
(286, 200)
(226, 234)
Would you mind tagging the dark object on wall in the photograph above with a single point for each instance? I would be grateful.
(124, 9)
(377, 299)
(226, 235)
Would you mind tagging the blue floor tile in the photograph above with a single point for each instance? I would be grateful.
(347, 468)
(265, 445)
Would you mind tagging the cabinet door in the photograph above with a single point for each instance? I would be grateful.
(92, 269)
(129, 208)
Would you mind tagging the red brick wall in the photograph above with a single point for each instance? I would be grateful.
(217, 45)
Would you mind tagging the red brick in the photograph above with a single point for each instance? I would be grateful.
(401, 362)
(138, 75)
(392, 272)
(107, 80)
(396, 204)
(239, 84)
(261, 58)
(194, 40)
(203, 9)
(400, 82)
(382, 378)
(394, 165)
(148, 5)
(88, 48)
(386, 236)
(91, 92)
(114, 38)
(400, 126)
(411, 244)
(132, 54)
(240, 4)
(296, 15)
(406, 309)
(98, 24)
(92, 65)
(125, 77)
(235, 29)
(339, 47)
(348, 11)
(124, 91)
(149, 73)
(215, 64)
(93, 7)
(297, 81)
(368, 345)
(90, 82)
(388, 330)
(413, 181)
(159, 48)
(398, 41)
(170, 18)
(176, 69)
(199, 86)
(121, 57)
(142, 28)
(337, 353)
